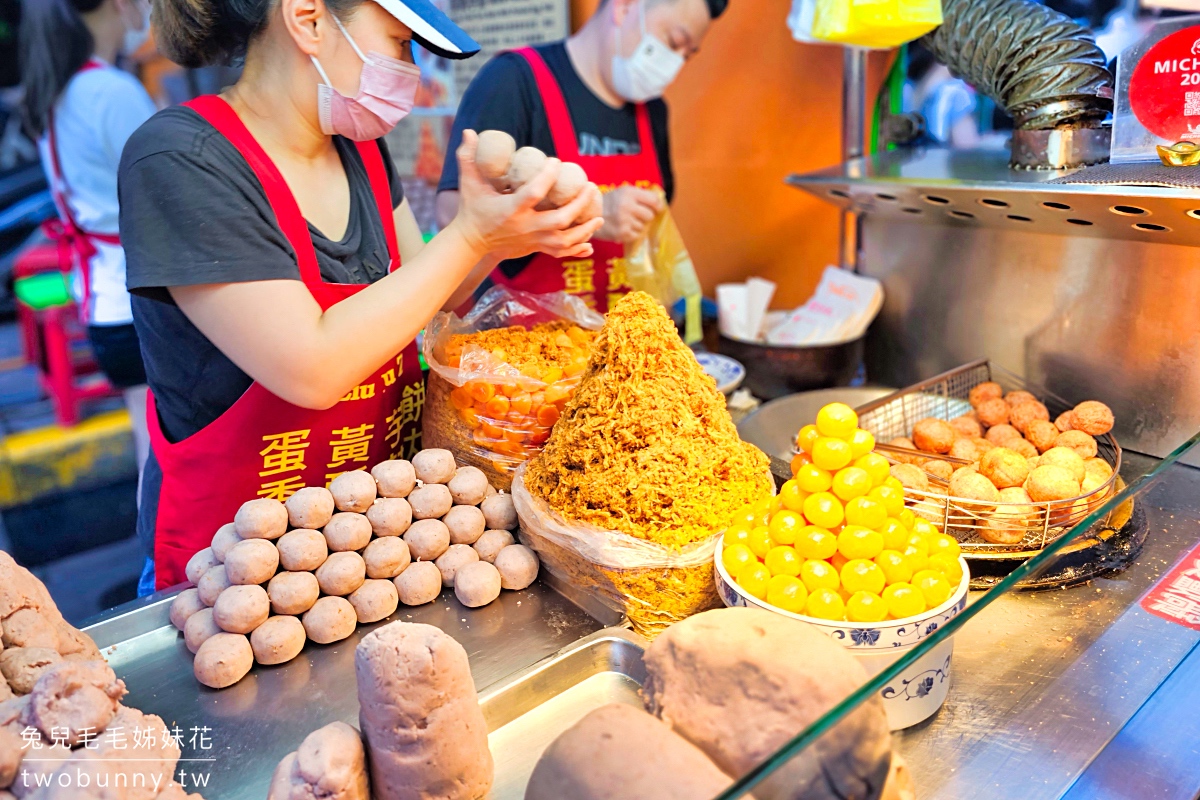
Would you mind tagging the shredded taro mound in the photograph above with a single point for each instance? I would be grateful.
(646, 446)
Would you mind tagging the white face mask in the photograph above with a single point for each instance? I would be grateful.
(649, 71)
(136, 37)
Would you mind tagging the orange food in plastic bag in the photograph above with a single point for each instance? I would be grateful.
(500, 378)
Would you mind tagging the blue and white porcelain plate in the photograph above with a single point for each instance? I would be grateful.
(727, 372)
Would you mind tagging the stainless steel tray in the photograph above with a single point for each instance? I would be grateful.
(528, 712)
(524, 648)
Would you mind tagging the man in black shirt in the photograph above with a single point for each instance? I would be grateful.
(594, 99)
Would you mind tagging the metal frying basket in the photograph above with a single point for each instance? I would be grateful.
(983, 527)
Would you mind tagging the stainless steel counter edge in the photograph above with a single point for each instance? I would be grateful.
(133, 619)
(609, 649)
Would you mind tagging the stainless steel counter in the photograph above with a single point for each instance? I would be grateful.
(1043, 681)
(253, 724)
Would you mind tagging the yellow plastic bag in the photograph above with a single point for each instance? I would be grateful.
(878, 24)
(660, 266)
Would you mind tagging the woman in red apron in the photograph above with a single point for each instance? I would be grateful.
(594, 99)
(77, 244)
(82, 109)
(265, 230)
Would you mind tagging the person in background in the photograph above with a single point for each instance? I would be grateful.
(946, 103)
(595, 99)
(82, 109)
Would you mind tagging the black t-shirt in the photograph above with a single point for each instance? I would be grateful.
(193, 212)
(504, 97)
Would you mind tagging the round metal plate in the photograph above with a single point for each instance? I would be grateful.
(1109, 546)
(772, 428)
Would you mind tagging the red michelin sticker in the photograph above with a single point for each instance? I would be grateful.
(1164, 90)
(1177, 596)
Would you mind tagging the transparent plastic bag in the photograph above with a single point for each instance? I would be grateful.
(659, 265)
(490, 413)
(878, 24)
(653, 585)
(800, 21)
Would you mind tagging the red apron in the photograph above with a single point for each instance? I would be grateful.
(601, 278)
(264, 446)
(76, 246)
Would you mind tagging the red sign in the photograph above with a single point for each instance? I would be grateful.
(1177, 596)
(1164, 90)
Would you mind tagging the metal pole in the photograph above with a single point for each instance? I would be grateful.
(854, 101)
(854, 109)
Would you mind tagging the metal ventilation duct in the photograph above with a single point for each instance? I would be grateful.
(1045, 70)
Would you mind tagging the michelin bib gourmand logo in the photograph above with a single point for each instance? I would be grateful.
(1184, 65)
(1189, 69)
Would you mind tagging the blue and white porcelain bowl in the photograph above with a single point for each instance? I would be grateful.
(918, 692)
(727, 372)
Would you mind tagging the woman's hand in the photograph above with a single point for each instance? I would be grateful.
(509, 225)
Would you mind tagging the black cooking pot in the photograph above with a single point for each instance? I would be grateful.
(777, 370)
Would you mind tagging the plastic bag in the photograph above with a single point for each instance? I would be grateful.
(659, 265)
(490, 413)
(800, 21)
(653, 585)
(878, 24)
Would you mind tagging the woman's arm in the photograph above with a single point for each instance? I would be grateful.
(411, 242)
(275, 331)
(277, 334)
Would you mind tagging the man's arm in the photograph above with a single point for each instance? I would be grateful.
(447, 207)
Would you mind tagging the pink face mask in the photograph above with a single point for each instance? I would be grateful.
(386, 93)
